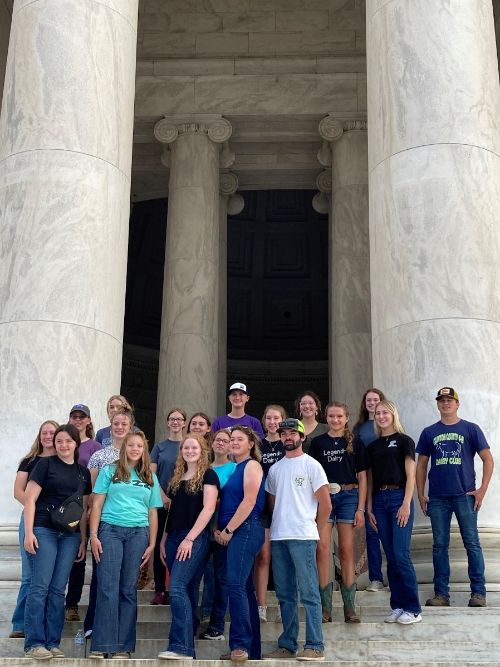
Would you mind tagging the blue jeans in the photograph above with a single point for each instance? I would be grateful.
(219, 606)
(373, 553)
(440, 511)
(117, 573)
(245, 544)
(184, 586)
(344, 505)
(50, 568)
(294, 566)
(396, 542)
(18, 615)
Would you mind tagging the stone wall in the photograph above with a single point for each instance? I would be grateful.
(250, 56)
(5, 20)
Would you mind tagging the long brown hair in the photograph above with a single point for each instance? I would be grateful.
(364, 415)
(347, 434)
(194, 484)
(142, 467)
(36, 447)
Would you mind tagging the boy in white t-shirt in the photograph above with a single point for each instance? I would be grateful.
(300, 499)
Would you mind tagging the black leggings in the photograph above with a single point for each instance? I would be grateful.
(159, 569)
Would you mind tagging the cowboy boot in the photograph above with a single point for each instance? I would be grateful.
(326, 594)
(348, 596)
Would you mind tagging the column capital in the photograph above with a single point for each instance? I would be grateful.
(321, 202)
(324, 181)
(169, 128)
(228, 183)
(330, 129)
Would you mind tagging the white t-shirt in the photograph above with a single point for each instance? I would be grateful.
(294, 481)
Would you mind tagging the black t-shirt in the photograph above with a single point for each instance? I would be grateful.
(271, 453)
(185, 507)
(387, 458)
(28, 464)
(339, 466)
(58, 480)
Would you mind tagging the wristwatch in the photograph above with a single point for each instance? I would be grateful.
(228, 531)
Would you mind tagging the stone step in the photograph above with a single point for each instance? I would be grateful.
(370, 613)
(78, 662)
(458, 598)
(430, 628)
(363, 651)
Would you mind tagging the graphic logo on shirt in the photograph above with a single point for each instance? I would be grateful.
(448, 449)
(392, 443)
(299, 481)
(334, 455)
(132, 482)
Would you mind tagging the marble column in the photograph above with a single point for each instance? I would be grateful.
(189, 345)
(231, 203)
(434, 176)
(344, 153)
(65, 157)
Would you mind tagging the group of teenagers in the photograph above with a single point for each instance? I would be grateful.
(221, 502)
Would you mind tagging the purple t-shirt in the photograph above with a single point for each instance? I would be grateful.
(225, 421)
(86, 450)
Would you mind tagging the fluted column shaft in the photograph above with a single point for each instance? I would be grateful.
(189, 348)
(229, 203)
(65, 157)
(434, 164)
(349, 259)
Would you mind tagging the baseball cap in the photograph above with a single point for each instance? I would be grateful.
(79, 407)
(238, 386)
(293, 425)
(447, 392)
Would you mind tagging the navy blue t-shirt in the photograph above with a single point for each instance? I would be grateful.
(232, 495)
(451, 449)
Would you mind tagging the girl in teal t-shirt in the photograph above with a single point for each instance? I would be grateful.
(123, 527)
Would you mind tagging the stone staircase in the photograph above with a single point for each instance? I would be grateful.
(456, 636)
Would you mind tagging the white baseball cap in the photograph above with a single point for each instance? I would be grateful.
(238, 386)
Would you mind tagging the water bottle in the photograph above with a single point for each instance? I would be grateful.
(79, 644)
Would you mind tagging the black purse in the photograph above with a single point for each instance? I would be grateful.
(66, 517)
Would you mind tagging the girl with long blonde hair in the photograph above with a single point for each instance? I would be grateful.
(193, 492)
(391, 510)
(123, 525)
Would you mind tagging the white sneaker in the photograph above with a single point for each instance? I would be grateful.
(263, 614)
(172, 655)
(375, 586)
(394, 615)
(408, 617)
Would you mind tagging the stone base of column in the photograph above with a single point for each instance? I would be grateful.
(421, 551)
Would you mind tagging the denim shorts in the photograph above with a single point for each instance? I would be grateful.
(344, 506)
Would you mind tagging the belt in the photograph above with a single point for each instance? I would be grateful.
(389, 487)
(337, 488)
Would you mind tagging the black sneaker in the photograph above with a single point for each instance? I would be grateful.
(210, 633)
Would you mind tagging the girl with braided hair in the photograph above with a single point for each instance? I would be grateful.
(345, 463)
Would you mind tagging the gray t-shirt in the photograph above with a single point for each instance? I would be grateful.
(319, 430)
(164, 454)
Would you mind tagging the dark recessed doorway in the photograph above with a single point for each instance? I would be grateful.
(277, 300)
